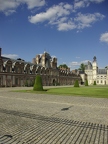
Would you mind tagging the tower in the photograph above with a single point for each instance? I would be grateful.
(43, 59)
(37, 59)
(95, 68)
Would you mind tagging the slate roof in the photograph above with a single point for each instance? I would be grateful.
(102, 71)
(88, 66)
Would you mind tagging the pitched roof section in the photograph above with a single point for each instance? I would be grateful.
(102, 71)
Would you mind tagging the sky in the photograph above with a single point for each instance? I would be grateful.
(74, 31)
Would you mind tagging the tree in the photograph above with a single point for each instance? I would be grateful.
(63, 66)
(76, 84)
(82, 67)
(86, 83)
(38, 84)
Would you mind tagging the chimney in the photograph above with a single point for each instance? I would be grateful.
(34, 61)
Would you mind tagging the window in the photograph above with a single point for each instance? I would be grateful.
(105, 82)
(19, 70)
(22, 70)
(8, 68)
(27, 70)
(97, 81)
(16, 81)
(16, 69)
(101, 81)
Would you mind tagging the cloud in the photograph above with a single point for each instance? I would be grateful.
(66, 26)
(85, 20)
(9, 6)
(32, 3)
(52, 14)
(84, 3)
(61, 16)
(97, 1)
(81, 4)
(9, 12)
(6, 5)
(76, 65)
(13, 56)
(104, 37)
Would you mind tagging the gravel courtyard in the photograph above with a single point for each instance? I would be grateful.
(51, 119)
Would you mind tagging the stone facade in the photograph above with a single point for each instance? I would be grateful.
(17, 72)
(96, 74)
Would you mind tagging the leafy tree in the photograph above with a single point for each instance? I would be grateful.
(76, 84)
(82, 67)
(63, 66)
(38, 84)
(86, 83)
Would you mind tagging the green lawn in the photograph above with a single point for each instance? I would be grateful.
(90, 91)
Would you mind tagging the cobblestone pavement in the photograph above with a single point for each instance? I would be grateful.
(47, 119)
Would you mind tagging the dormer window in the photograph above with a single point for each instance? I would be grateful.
(16, 69)
(27, 71)
(8, 68)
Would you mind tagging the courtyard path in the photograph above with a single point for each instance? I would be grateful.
(51, 119)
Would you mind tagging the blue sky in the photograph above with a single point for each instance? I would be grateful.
(72, 30)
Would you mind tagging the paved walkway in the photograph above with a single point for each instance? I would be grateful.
(47, 119)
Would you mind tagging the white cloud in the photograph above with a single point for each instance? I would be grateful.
(33, 3)
(104, 37)
(74, 63)
(97, 1)
(85, 20)
(66, 26)
(85, 61)
(13, 56)
(84, 3)
(61, 16)
(9, 12)
(81, 4)
(9, 6)
(78, 63)
(52, 14)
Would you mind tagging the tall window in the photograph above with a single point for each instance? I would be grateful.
(8, 68)
(16, 69)
(16, 81)
(27, 71)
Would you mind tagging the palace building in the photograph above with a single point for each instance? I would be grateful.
(17, 72)
(96, 74)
